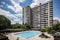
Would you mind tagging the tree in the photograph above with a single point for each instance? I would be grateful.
(46, 29)
(4, 22)
(18, 26)
(56, 27)
(28, 26)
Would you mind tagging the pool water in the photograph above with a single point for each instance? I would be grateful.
(27, 34)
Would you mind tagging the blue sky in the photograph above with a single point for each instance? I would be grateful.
(12, 9)
(25, 3)
(56, 8)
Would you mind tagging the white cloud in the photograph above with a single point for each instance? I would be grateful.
(18, 1)
(11, 7)
(57, 18)
(37, 2)
(18, 8)
(13, 17)
(3, 2)
(1, 6)
(33, 5)
(18, 15)
(44, 1)
(21, 0)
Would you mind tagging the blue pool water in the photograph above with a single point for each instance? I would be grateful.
(27, 34)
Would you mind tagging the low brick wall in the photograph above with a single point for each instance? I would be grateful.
(11, 30)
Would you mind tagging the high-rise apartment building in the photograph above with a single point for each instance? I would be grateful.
(27, 16)
(46, 16)
(39, 16)
(36, 11)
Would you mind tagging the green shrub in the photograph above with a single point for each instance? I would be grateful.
(46, 29)
(43, 30)
(27, 26)
(56, 27)
(43, 36)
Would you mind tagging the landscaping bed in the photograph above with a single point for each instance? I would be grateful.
(3, 37)
(43, 36)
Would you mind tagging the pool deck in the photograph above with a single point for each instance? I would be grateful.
(11, 36)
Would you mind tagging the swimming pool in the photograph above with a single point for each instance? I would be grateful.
(28, 34)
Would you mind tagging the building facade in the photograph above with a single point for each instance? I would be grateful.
(36, 11)
(27, 16)
(46, 16)
(39, 16)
